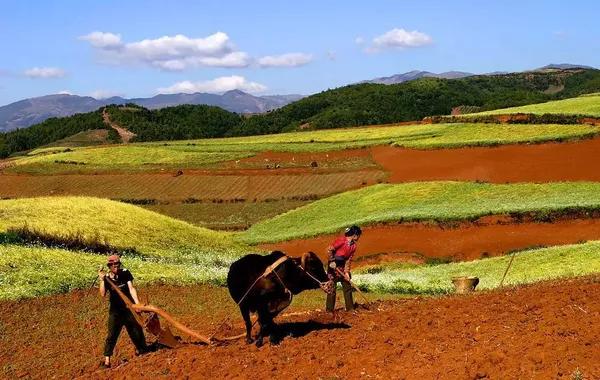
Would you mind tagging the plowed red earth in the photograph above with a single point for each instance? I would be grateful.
(568, 161)
(468, 241)
(545, 331)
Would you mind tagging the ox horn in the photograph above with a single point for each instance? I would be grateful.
(304, 258)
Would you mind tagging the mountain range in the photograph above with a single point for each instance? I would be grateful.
(31, 111)
(27, 112)
(416, 74)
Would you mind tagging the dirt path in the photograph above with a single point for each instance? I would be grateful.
(546, 331)
(468, 241)
(125, 134)
(568, 161)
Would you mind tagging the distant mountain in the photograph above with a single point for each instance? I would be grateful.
(28, 112)
(563, 66)
(416, 74)
(35, 110)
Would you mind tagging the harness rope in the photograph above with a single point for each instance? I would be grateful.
(271, 269)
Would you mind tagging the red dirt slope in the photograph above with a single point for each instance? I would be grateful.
(569, 161)
(468, 241)
(545, 331)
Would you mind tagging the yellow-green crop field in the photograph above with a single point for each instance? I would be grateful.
(587, 105)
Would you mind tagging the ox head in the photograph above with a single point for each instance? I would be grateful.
(311, 263)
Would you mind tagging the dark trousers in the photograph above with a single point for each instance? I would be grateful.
(347, 288)
(116, 320)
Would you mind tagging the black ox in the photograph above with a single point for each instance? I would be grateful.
(268, 295)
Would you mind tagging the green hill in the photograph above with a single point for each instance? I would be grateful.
(365, 104)
(349, 106)
(422, 201)
(126, 227)
(585, 105)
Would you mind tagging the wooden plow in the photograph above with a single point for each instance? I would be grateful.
(147, 316)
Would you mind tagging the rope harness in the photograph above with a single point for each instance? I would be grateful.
(272, 269)
(326, 286)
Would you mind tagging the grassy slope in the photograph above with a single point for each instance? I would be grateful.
(122, 225)
(528, 266)
(30, 272)
(122, 158)
(588, 105)
(412, 136)
(33, 271)
(420, 201)
(199, 153)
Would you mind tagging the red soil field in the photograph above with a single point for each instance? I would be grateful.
(567, 161)
(269, 185)
(468, 241)
(546, 331)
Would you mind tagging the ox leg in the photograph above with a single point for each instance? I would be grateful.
(246, 315)
(275, 334)
(263, 321)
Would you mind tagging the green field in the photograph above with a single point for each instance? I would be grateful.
(204, 153)
(153, 236)
(587, 105)
(528, 266)
(31, 271)
(423, 201)
(34, 271)
(120, 159)
(426, 136)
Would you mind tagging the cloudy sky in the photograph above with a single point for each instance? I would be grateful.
(142, 48)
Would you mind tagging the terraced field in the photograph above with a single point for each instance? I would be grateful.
(586, 105)
(427, 201)
(296, 192)
(194, 187)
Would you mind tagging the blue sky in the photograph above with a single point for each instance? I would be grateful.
(130, 48)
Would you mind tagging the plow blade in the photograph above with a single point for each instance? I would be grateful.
(179, 326)
(164, 335)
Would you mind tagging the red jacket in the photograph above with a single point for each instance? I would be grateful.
(342, 248)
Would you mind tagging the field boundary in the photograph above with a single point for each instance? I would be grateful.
(515, 118)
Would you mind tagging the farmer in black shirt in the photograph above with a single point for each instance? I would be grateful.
(119, 315)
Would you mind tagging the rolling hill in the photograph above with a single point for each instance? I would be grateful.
(27, 112)
(349, 106)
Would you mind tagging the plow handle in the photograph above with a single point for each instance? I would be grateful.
(352, 284)
(128, 303)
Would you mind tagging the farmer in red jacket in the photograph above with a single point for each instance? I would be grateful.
(340, 256)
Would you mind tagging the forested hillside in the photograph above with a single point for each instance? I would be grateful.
(174, 123)
(348, 106)
(364, 104)
(49, 131)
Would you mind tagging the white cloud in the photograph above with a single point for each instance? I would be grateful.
(399, 38)
(104, 94)
(359, 40)
(179, 52)
(236, 59)
(217, 85)
(103, 40)
(45, 72)
(65, 92)
(171, 53)
(285, 60)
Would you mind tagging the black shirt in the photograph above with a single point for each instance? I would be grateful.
(121, 278)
